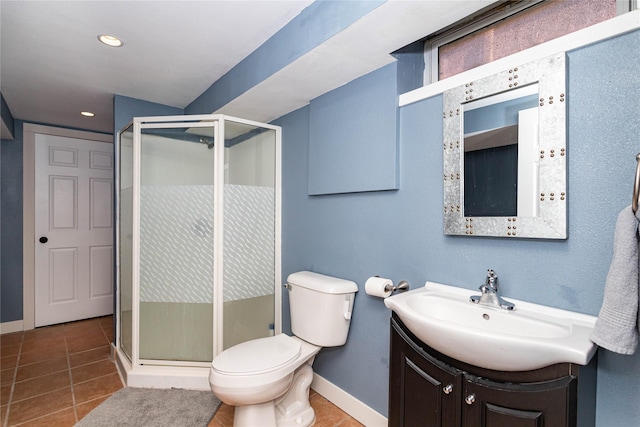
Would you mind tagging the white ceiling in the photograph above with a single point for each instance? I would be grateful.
(52, 66)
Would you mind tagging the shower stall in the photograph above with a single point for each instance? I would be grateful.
(198, 238)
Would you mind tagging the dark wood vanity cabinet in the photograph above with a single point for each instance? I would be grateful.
(423, 391)
(428, 389)
(490, 403)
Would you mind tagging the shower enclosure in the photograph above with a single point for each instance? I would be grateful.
(198, 259)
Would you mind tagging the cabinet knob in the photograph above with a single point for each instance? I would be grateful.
(448, 388)
(470, 399)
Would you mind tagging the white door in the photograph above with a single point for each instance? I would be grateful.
(73, 229)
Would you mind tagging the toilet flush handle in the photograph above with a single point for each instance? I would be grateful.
(347, 307)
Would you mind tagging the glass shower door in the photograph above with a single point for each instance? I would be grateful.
(124, 240)
(176, 261)
(250, 232)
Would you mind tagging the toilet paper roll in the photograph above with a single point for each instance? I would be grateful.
(378, 287)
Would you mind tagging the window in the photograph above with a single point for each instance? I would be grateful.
(510, 27)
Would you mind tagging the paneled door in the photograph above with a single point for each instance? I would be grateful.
(73, 229)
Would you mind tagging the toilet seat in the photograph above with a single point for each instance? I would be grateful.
(257, 356)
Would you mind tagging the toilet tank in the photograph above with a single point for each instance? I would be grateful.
(320, 307)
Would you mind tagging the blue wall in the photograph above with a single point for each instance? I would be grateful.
(11, 226)
(11, 280)
(399, 234)
(5, 115)
(317, 23)
(126, 108)
(337, 136)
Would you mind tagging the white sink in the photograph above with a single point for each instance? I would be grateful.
(529, 337)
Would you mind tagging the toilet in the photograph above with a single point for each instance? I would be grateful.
(268, 379)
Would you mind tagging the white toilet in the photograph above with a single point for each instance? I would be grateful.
(268, 379)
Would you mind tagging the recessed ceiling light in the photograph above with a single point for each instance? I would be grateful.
(87, 113)
(110, 40)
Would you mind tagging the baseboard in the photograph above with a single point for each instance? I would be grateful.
(352, 406)
(9, 327)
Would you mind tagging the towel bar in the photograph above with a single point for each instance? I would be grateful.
(636, 186)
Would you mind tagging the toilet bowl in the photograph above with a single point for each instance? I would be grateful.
(268, 379)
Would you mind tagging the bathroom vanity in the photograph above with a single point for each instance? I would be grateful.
(428, 388)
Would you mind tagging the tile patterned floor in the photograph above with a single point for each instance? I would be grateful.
(54, 376)
(327, 414)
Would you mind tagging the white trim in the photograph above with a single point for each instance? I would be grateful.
(218, 236)
(116, 240)
(185, 120)
(352, 406)
(432, 46)
(144, 376)
(139, 372)
(10, 327)
(198, 379)
(28, 207)
(278, 234)
(595, 33)
(135, 249)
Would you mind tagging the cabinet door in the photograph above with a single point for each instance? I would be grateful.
(422, 391)
(492, 404)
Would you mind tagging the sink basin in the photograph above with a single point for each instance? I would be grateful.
(529, 337)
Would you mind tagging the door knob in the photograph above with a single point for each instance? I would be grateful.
(470, 399)
(448, 388)
(43, 239)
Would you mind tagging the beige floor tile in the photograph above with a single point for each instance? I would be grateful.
(5, 392)
(93, 370)
(327, 414)
(107, 328)
(350, 422)
(215, 423)
(83, 409)
(51, 356)
(6, 376)
(108, 332)
(41, 385)
(89, 356)
(88, 342)
(99, 387)
(46, 332)
(37, 355)
(64, 418)
(82, 325)
(8, 362)
(39, 406)
(34, 370)
(224, 416)
(83, 329)
(11, 339)
(45, 345)
(10, 350)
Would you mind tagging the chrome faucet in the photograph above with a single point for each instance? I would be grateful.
(490, 293)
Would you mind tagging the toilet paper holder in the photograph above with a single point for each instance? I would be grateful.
(402, 286)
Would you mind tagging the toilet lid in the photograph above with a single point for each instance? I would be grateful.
(259, 355)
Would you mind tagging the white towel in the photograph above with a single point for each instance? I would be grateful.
(617, 325)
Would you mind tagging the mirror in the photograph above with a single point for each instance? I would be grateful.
(505, 153)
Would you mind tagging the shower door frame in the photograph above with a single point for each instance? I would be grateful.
(170, 373)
